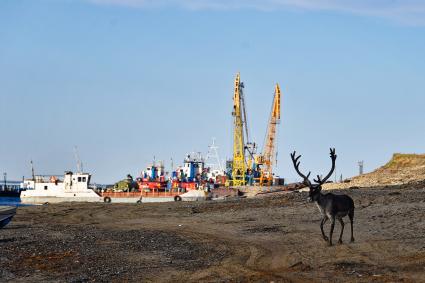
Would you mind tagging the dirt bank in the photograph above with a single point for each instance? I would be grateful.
(401, 169)
(275, 237)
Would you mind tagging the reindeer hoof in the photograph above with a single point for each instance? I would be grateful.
(329, 244)
(326, 239)
(352, 240)
(340, 242)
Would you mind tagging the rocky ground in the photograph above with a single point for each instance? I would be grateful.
(275, 237)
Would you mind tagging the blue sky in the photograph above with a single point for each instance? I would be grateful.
(129, 80)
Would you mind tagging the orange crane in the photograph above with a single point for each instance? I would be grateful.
(267, 159)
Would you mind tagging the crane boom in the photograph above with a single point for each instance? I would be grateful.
(238, 164)
(269, 147)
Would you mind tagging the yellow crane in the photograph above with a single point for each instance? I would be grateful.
(267, 159)
(239, 162)
(264, 161)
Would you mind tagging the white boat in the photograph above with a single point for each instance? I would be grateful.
(6, 215)
(73, 187)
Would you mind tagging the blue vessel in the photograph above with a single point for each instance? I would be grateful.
(6, 215)
(10, 188)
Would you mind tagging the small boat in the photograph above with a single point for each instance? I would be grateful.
(70, 187)
(6, 215)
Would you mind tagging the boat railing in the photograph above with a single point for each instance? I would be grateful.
(46, 178)
(10, 188)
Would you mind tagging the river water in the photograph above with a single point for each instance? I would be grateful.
(13, 201)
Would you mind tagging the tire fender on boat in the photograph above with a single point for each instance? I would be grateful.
(139, 201)
(107, 199)
(177, 198)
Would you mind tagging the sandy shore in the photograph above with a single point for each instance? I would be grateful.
(272, 238)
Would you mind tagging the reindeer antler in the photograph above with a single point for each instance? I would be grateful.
(322, 181)
(296, 162)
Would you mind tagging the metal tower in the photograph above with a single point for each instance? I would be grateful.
(213, 154)
(361, 165)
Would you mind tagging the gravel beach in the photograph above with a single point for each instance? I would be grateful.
(275, 237)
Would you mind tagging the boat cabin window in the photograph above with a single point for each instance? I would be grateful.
(45, 187)
(82, 179)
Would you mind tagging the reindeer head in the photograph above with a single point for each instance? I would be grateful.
(317, 187)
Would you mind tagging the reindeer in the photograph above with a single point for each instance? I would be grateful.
(331, 206)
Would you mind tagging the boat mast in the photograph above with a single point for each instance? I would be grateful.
(32, 170)
(5, 182)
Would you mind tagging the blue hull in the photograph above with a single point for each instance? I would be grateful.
(6, 215)
(5, 221)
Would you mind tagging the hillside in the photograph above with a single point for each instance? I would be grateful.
(401, 169)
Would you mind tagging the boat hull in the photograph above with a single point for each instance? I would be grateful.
(140, 197)
(149, 197)
(142, 200)
(43, 200)
(6, 215)
(5, 221)
(10, 193)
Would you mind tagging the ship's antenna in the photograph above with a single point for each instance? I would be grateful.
(77, 158)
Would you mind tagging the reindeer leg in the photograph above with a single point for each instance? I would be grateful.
(324, 219)
(342, 230)
(351, 216)
(332, 230)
